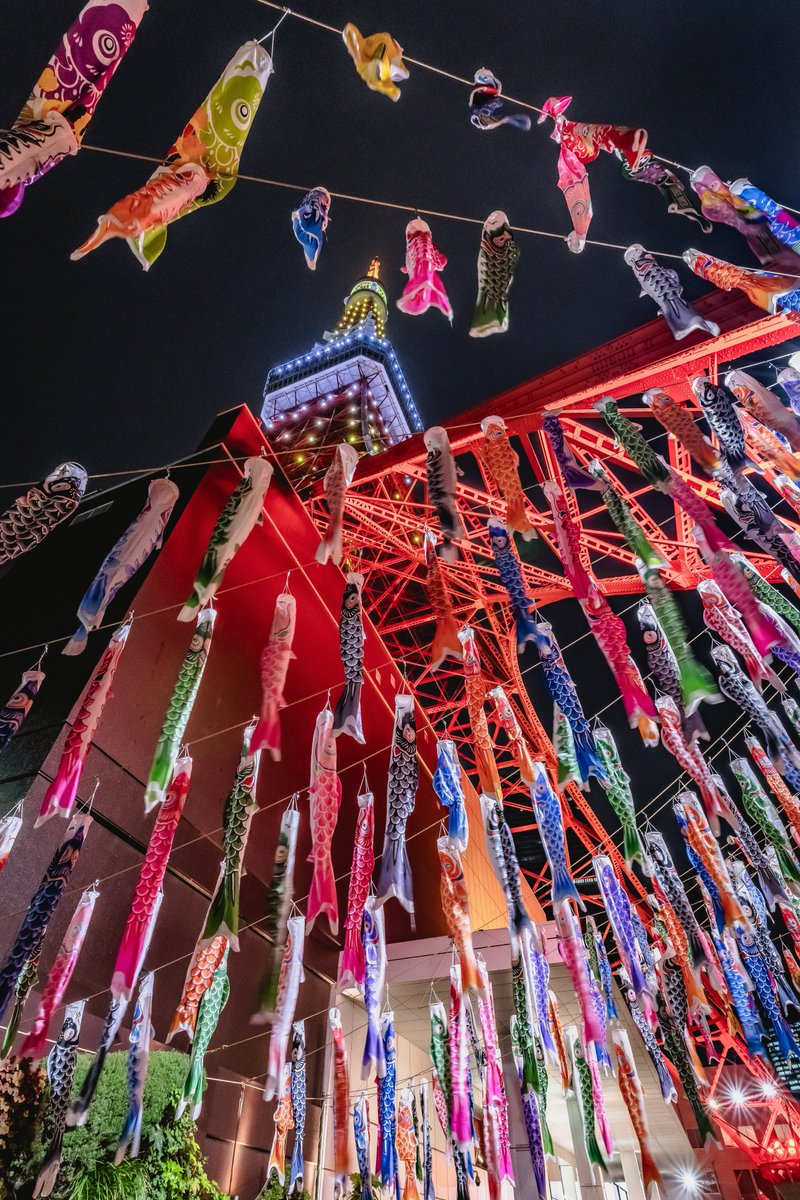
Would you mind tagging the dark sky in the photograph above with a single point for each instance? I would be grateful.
(118, 369)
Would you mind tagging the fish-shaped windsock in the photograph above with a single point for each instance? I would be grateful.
(765, 406)
(291, 977)
(205, 959)
(574, 475)
(10, 826)
(394, 878)
(442, 474)
(663, 285)
(338, 478)
(550, 822)
(387, 1118)
(657, 174)
(60, 974)
(144, 535)
(79, 1109)
(487, 109)
(789, 380)
(573, 952)
(237, 816)
(31, 933)
(284, 1122)
(761, 812)
(620, 797)
(497, 261)
(722, 618)
(765, 289)
(737, 587)
(455, 906)
(509, 569)
(243, 510)
(61, 1063)
(788, 801)
(63, 788)
(297, 1095)
(475, 690)
(581, 142)
(373, 940)
(347, 714)
(633, 1096)
(179, 709)
(564, 695)
(325, 798)
(699, 838)
(690, 758)
(53, 120)
(351, 964)
(361, 1138)
(279, 901)
(502, 463)
(200, 168)
(407, 1143)
(618, 909)
(719, 203)
(424, 262)
(460, 1109)
(447, 784)
(378, 58)
(309, 222)
(17, 707)
(784, 225)
(341, 1089)
(275, 659)
(445, 638)
(214, 1000)
(678, 421)
(148, 886)
(428, 1191)
(585, 1094)
(139, 1039)
(506, 720)
(718, 405)
(32, 516)
(738, 688)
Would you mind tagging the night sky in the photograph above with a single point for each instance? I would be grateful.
(119, 369)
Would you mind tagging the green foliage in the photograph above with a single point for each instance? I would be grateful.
(170, 1165)
(273, 1189)
(355, 1191)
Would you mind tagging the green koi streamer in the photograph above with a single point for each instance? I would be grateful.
(629, 436)
(211, 1006)
(618, 791)
(530, 1071)
(586, 1106)
(27, 980)
(541, 1096)
(564, 742)
(766, 593)
(762, 813)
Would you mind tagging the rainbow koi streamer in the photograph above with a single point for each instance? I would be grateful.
(606, 627)
(240, 806)
(547, 810)
(324, 798)
(279, 900)
(291, 977)
(61, 792)
(449, 788)
(31, 934)
(347, 716)
(17, 707)
(139, 1040)
(407, 1143)
(352, 962)
(10, 825)
(142, 537)
(361, 1137)
(573, 952)
(394, 878)
(214, 1000)
(475, 690)
(179, 709)
(460, 1110)
(338, 478)
(387, 1121)
(199, 169)
(148, 886)
(374, 949)
(297, 1095)
(54, 118)
(243, 510)
(282, 1118)
(275, 659)
(60, 975)
(61, 1063)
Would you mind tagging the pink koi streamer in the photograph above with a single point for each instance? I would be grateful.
(275, 659)
(338, 478)
(690, 759)
(60, 795)
(600, 1114)
(736, 589)
(460, 1117)
(573, 952)
(341, 1100)
(605, 626)
(506, 719)
(721, 617)
(151, 876)
(35, 1043)
(291, 977)
(352, 965)
(325, 797)
(424, 261)
(495, 1105)
(9, 831)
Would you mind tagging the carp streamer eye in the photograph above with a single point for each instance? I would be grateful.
(106, 46)
(241, 114)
